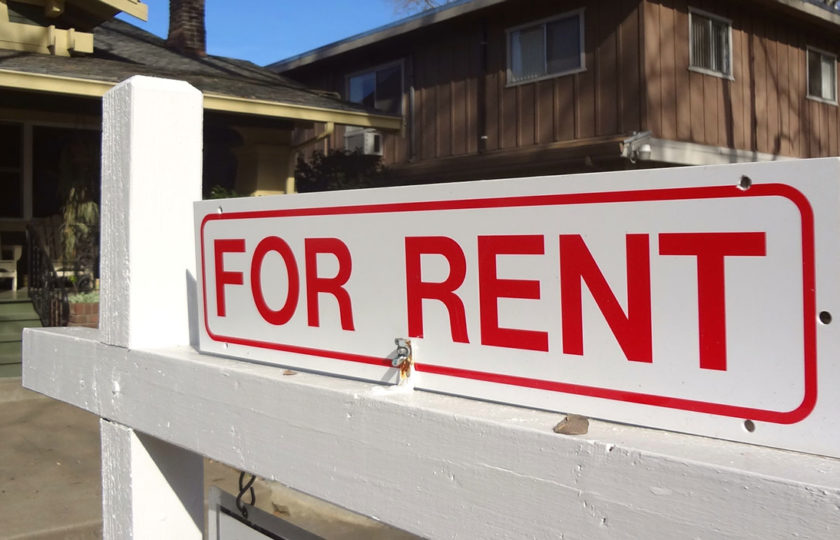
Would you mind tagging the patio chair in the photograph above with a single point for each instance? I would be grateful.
(8, 266)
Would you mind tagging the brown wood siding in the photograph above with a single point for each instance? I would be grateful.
(636, 78)
(446, 71)
(763, 108)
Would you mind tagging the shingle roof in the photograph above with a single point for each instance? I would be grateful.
(122, 50)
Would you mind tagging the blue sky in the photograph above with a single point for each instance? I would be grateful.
(265, 31)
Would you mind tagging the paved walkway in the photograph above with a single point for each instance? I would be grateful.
(50, 478)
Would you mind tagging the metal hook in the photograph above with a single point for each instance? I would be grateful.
(244, 487)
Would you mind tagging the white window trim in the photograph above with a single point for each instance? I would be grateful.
(580, 13)
(728, 76)
(808, 78)
(374, 69)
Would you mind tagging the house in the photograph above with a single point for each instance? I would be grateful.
(492, 88)
(57, 59)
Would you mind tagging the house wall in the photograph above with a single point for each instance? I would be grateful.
(457, 99)
(764, 108)
(637, 78)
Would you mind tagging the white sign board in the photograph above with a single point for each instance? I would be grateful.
(693, 299)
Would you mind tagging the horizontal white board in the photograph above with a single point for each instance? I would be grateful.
(694, 299)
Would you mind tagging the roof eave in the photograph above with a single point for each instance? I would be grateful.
(403, 26)
(72, 86)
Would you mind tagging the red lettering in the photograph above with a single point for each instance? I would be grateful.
(633, 330)
(710, 250)
(333, 285)
(491, 288)
(284, 314)
(220, 247)
(417, 290)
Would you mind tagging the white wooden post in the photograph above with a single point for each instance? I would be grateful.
(151, 170)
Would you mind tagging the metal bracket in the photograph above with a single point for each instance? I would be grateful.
(403, 357)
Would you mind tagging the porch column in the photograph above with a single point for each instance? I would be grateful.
(151, 175)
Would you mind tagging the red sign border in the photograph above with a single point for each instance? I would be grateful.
(667, 194)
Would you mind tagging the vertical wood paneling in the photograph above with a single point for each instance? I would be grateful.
(760, 70)
(566, 116)
(428, 124)
(545, 111)
(824, 125)
(695, 88)
(682, 84)
(815, 119)
(653, 78)
(585, 91)
(773, 84)
(630, 66)
(747, 84)
(735, 93)
(796, 91)
(606, 63)
(667, 52)
(710, 113)
(492, 111)
(509, 125)
(460, 116)
(525, 104)
(444, 103)
(782, 53)
(474, 72)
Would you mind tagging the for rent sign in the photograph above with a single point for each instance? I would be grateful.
(688, 299)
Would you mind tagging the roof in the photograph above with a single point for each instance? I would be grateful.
(823, 11)
(231, 85)
(414, 22)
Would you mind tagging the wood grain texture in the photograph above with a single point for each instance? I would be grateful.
(436, 465)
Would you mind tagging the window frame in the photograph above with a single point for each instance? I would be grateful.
(706, 71)
(808, 94)
(580, 13)
(374, 69)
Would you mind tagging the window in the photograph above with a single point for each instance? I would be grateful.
(379, 88)
(711, 43)
(11, 170)
(822, 75)
(546, 49)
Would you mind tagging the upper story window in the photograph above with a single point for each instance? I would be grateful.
(380, 88)
(822, 75)
(710, 43)
(547, 48)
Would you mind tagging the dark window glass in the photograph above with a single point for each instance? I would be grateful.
(822, 75)
(11, 174)
(380, 89)
(389, 89)
(563, 47)
(11, 201)
(363, 89)
(549, 48)
(63, 159)
(710, 47)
